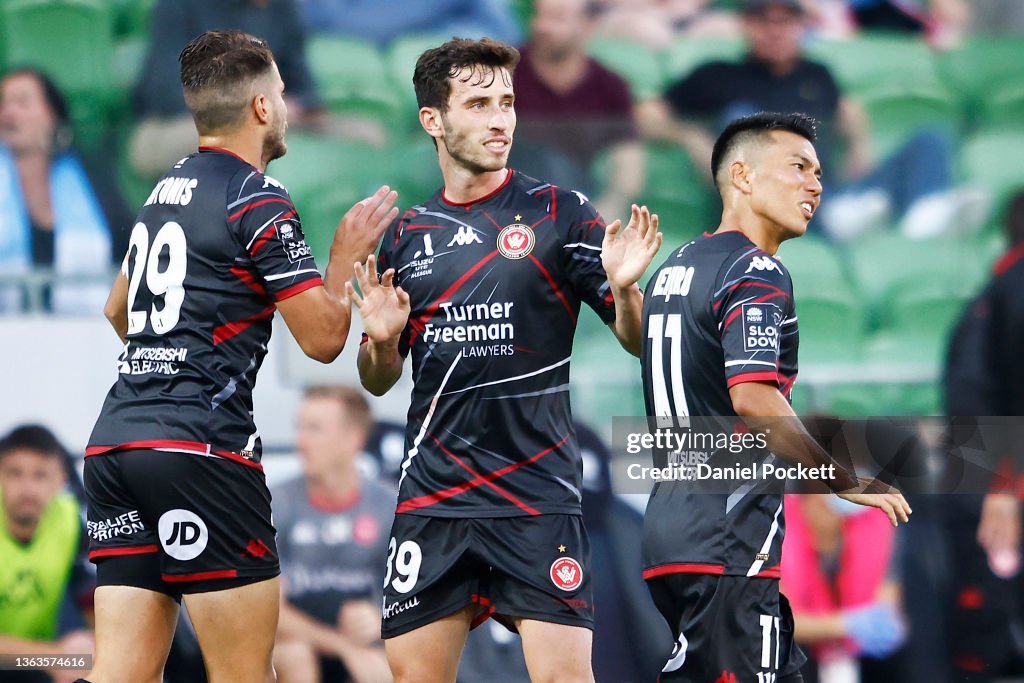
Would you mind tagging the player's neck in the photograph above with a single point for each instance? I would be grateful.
(759, 231)
(337, 485)
(249, 149)
(463, 186)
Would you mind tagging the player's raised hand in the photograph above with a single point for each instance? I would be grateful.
(627, 252)
(383, 307)
(877, 494)
(360, 229)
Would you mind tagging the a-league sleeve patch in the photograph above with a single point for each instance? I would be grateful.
(292, 240)
(761, 323)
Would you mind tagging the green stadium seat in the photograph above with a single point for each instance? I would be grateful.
(685, 55)
(990, 160)
(352, 77)
(131, 17)
(1003, 109)
(636, 63)
(401, 60)
(982, 66)
(897, 112)
(831, 327)
(878, 61)
(923, 306)
(815, 266)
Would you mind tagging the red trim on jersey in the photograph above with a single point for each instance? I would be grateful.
(188, 447)
(765, 285)
(432, 498)
(417, 324)
(200, 576)
(126, 550)
(759, 300)
(482, 617)
(1007, 260)
(264, 238)
(770, 573)
(684, 568)
(554, 288)
(299, 288)
(207, 148)
(269, 200)
(508, 177)
(249, 280)
(496, 224)
(753, 377)
(329, 505)
(786, 383)
(231, 329)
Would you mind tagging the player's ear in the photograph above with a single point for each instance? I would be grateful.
(261, 108)
(430, 119)
(741, 176)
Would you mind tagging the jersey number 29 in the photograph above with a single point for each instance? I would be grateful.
(167, 282)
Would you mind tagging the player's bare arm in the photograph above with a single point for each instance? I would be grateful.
(116, 308)
(319, 318)
(626, 253)
(765, 409)
(384, 309)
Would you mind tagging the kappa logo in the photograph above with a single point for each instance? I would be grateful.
(566, 574)
(268, 181)
(465, 235)
(763, 263)
(582, 197)
(728, 677)
(516, 241)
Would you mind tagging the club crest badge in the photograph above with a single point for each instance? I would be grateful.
(516, 241)
(566, 574)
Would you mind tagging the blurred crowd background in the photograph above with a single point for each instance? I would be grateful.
(921, 116)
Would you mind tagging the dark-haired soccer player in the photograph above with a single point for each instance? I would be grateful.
(178, 503)
(494, 268)
(724, 343)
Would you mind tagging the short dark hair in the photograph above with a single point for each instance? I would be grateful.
(32, 437)
(756, 125)
(435, 66)
(217, 72)
(353, 400)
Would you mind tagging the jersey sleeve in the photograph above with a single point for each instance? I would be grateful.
(753, 304)
(385, 260)
(268, 227)
(581, 254)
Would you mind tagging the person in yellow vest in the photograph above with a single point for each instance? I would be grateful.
(41, 543)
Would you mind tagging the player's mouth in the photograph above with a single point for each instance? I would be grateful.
(808, 209)
(498, 145)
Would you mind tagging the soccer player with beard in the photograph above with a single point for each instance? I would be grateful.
(178, 503)
(483, 284)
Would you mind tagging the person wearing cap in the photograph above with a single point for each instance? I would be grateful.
(911, 184)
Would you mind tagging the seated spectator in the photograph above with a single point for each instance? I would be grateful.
(165, 132)
(333, 540)
(838, 573)
(43, 553)
(913, 184)
(659, 23)
(366, 20)
(569, 108)
(942, 22)
(50, 214)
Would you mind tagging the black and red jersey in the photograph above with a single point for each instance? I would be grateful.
(496, 287)
(718, 312)
(216, 244)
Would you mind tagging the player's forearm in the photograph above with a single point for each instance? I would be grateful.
(380, 366)
(629, 304)
(116, 307)
(765, 410)
(816, 628)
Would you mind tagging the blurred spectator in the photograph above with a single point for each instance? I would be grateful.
(838, 574)
(913, 183)
(965, 596)
(43, 553)
(333, 539)
(631, 641)
(942, 22)
(165, 132)
(50, 214)
(659, 23)
(369, 20)
(570, 108)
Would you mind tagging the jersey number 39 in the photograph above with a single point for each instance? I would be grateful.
(166, 282)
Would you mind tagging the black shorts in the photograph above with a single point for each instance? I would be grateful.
(509, 567)
(178, 523)
(728, 629)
